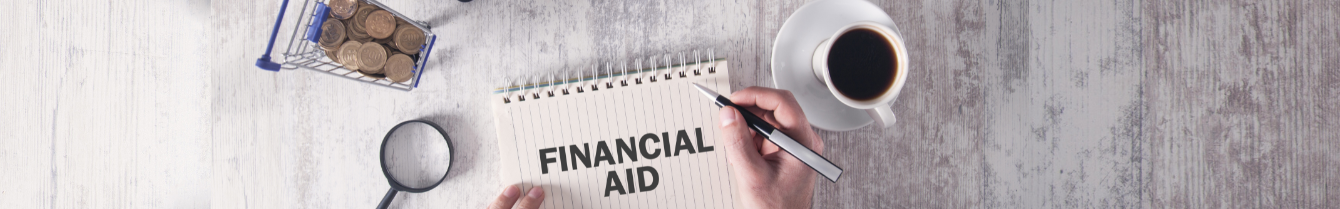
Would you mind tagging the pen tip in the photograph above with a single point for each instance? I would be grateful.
(709, 93)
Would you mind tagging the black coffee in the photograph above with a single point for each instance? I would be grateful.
(861, 64)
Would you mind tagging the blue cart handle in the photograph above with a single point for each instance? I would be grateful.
(264, 62)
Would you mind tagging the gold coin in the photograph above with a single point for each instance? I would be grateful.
(356, 35)
(329, 49)
(333, 55)
(399, 22)
(386, 44)
(399, 68)
(332, 34)
(343, 9)
(408, 39)
(371, 58)
(380, 24)
(350, 52)
(360, 17)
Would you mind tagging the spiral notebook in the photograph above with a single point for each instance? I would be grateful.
(634, 138)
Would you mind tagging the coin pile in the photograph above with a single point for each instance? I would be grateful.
(371, 41)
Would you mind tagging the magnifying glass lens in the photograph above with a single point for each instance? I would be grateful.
(416, 155)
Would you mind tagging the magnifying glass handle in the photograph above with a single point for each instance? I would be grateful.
(386, 201)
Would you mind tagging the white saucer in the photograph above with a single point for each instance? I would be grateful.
(794, 49)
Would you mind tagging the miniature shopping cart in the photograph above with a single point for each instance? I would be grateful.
(303, 51)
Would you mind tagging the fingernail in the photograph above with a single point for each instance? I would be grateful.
(727, 116)
(535, 193)
(511, 192)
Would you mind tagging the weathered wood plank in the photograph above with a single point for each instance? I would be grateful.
(1020, 104)
(1241, 103)
(103, 105)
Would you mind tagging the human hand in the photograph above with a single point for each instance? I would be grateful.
(510, 195)
(766, 175)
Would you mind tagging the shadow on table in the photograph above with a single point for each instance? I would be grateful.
(442, 58)
(445, 16)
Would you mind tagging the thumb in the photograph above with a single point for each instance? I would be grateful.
(741, 147)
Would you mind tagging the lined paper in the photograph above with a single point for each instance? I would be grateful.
(696, 177)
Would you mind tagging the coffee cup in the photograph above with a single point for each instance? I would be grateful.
(864, 65)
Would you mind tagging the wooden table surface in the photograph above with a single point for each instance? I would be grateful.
(1019, 104)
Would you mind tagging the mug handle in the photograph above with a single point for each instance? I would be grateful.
(883, 115)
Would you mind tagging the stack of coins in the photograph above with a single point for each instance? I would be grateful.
(332, 35)
(357, 30)
(371, 41)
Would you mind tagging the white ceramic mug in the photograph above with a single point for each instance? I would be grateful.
(879, 108)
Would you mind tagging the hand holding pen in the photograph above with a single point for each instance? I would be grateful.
(768, 176)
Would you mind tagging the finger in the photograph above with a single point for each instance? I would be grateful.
(765, 147)
(532, 199)
(741, 144)
(786, 113)
(782, 104)
(507, 198)
(766, 115)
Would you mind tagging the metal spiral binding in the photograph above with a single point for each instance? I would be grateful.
(536, 88)
(609, 70)
(711, 53)
(536, 94)
(595, 73)
(653, 78)
(667, 68)
(580, 75)
(625, 76)
(681, 63)
(506, 92)
(565, 82)
(551, 85)
(521, 97)
(698, 63)
(638, 63)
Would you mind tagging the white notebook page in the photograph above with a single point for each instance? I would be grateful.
(692, 173)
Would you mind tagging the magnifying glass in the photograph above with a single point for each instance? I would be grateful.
(415, 156)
